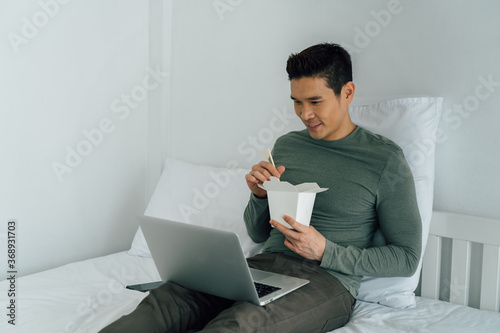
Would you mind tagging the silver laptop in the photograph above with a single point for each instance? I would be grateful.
(211, 261)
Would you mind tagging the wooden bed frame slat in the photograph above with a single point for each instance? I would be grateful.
(431, 267)
(460, 272)
(490, 279)
(472, 228)
(463, 230)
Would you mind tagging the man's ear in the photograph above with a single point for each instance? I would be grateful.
(348, 92)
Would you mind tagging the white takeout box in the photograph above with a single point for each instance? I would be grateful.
(296, 201)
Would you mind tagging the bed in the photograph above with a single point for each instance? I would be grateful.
(455, 289)
(85, 296)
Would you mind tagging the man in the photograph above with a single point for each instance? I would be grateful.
(370, 183)
(370, 186)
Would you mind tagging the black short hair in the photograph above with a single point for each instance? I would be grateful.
(326, 60)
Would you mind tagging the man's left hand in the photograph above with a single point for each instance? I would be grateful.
(304, 240)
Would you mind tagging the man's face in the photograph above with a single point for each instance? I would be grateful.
(325, 115)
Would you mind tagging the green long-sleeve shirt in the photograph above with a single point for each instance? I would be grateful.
(370, 186)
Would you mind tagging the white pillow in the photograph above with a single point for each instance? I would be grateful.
(412, 124)
(202, 195)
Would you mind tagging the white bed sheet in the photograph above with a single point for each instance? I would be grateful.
(85, 296)
(79, 297)
(428, 316)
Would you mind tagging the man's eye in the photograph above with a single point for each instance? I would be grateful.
(297, 102)
(315, 102)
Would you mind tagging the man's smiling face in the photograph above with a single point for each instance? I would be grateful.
(325, 115)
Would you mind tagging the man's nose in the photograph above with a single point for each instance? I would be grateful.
(306, 113)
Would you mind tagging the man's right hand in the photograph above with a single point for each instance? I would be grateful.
(260, 173)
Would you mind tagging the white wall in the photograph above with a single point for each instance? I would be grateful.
(67, 68)
(226, 98)
(229, 79)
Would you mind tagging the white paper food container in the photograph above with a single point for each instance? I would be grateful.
(286, 199)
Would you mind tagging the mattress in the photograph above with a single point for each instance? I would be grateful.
(428, 316)
(85, 296)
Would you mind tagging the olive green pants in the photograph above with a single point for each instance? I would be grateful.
(320, 306)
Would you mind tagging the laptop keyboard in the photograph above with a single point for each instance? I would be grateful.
(264, 289)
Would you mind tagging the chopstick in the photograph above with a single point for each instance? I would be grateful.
(263, 152)
(270, 155)
(272, 161)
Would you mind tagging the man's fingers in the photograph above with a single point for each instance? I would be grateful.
(270, 169)
(281, 228)
(257, 176)
(304, 240)
(294, 224)
(280, 170)
(289, 245)
(263, 172)
(252, 180)
(289, 233)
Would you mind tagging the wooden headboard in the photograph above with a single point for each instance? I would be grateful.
(473, 262)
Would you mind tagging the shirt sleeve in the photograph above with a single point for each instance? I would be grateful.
(400, 223)
(256, 217)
